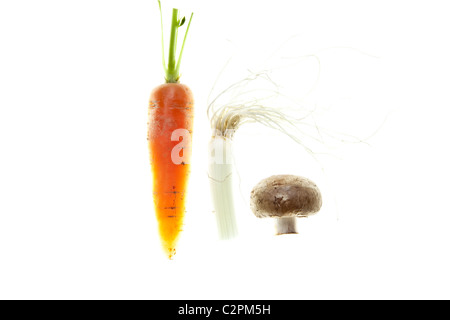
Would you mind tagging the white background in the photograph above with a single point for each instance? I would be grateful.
(76, 216)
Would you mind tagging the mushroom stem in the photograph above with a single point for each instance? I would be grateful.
(286, 225)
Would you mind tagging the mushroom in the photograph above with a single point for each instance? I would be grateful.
(285, 197)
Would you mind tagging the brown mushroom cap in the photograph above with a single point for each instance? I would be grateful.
(283, 196)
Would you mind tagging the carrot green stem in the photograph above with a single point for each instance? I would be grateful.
(177, 69)
(172, 69)
(171, 72)
(162, 37)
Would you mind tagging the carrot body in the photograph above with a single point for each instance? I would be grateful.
(171, 108)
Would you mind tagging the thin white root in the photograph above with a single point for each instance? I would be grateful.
(286, 225)
(233, 108)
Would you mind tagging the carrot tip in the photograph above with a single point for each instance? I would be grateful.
(171, 253)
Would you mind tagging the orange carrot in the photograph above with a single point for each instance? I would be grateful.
(170, 117)
(170, 109)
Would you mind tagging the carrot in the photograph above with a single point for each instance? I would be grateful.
(170, 117)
